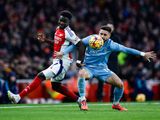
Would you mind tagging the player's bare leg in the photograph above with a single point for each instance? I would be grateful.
(118, 92)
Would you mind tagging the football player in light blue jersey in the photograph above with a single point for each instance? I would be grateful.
(95, 65)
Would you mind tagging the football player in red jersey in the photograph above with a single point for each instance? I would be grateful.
(63, 37)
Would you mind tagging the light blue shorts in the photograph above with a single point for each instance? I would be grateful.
(99, 73)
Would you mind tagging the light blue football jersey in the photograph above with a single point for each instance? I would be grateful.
(98, 58)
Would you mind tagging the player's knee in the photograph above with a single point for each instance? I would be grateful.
(41, 76)
(120, 85)
(81, 73)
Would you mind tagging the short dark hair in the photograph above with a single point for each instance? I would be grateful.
(107, 28)
(66, 13)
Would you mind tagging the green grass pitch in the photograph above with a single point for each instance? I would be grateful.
(70, 111)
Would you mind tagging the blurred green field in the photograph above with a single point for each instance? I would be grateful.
(70, 111)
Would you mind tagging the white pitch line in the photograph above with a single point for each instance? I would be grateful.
(70, 105)
(10, 107)
(57, 105)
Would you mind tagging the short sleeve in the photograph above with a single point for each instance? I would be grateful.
(71, 36)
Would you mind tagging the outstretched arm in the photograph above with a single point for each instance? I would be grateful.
(65, 51)
(118, 47)
(81, 51)
(69, 49)
(150, 55)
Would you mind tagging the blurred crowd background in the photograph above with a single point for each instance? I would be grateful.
(136, 22)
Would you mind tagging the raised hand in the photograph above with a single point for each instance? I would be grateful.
(150, 55)
(41, 36)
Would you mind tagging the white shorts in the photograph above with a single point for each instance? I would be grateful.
(57, 70)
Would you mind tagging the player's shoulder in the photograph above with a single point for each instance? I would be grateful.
(69, 31)
(68, 28)
(110, 41)
(71, 36)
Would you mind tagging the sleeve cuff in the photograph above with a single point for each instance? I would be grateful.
(142, 53)
(78, 61)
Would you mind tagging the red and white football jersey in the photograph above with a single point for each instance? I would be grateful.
(62, 39)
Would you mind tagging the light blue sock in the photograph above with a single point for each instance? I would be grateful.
(82, 87)
(118, 92)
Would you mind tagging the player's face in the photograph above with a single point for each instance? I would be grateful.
(63, 22)
(105, 35)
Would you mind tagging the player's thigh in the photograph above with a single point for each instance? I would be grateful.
(54, 70)
(115, 80)
(59, 77)
(66, 64)
(102, 74)
(85, 73)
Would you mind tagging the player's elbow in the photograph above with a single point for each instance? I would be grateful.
(81, 47)
(79, 44)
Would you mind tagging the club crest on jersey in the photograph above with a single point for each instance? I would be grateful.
(60, 35)
(57, 39)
